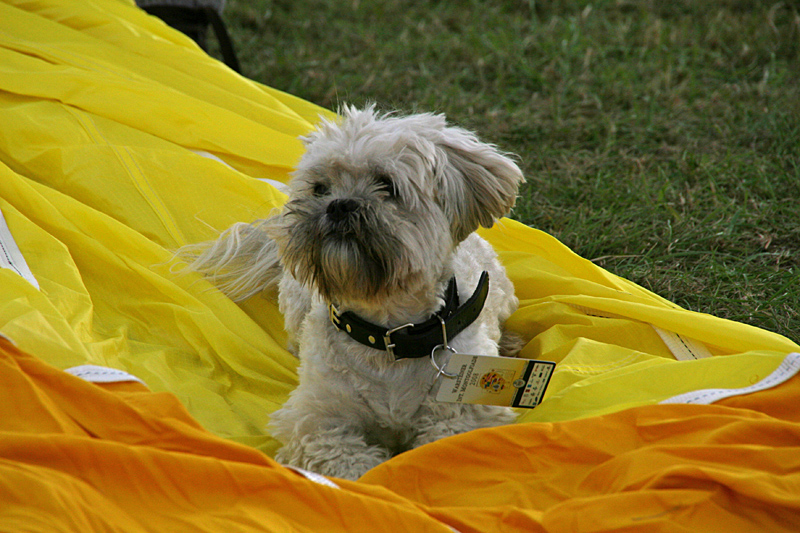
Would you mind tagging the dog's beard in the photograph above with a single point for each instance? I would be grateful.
(365, 258)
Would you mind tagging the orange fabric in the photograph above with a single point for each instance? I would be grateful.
(84, 457)
(75, 456)
(732, 467)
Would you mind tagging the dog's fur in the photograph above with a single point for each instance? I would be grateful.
(381, 214)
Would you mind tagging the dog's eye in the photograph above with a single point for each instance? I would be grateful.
(320, 189)
(386, 184)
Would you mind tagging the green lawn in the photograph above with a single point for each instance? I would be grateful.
(661, 140)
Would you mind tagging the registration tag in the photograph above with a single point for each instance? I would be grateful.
(490, 380)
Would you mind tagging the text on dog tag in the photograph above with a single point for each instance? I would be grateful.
(490, 380)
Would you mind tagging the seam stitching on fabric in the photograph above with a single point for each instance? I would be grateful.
(9, 260)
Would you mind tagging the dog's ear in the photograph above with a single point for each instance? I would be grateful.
(476, 183)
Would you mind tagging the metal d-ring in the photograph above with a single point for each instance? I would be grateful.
(441, 370)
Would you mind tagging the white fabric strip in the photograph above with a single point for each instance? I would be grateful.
(209, 155)
(282, 187)
(787, 369)
(102, 374)
(277, 184)
(683, 348)
(316, 478)
(10, 255)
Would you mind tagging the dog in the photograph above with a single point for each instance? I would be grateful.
(380, 278)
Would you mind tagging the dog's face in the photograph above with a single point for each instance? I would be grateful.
(378, 203)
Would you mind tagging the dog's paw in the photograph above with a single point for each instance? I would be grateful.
(510, 344)
(340, 456)
(447, 420)
(352, 466)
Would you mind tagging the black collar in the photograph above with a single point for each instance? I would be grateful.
(417, 340)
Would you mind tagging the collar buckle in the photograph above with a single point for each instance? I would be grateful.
(387, 339)
(333, 314)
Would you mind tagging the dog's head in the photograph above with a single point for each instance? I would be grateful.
(379, 202)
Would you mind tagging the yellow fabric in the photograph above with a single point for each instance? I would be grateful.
(103, 110)
(599, 328)
(106, 114)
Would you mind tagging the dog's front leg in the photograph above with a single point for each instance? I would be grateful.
(339, 451)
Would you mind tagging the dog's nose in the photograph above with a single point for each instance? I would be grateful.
(342, 208)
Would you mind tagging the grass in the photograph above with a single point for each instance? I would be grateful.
(659, 139)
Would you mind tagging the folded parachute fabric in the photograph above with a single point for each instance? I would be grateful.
(75, 456)
(79, 456)
(120, 141)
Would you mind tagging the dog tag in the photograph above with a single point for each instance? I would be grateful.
(489, 380)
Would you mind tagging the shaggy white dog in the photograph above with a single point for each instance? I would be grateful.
(380, 278)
